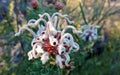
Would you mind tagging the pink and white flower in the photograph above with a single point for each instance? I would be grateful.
(90, 32)
(51, 40)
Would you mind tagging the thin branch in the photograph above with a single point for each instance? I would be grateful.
(17, 12)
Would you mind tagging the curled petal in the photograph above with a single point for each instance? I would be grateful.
(59, 61)
(75, 46)
(69, 27)
(61, 49)
(95, 37)
(63, 37)
(45, 57)
(85, 27)
(37, 39)
(45, 14)
(90, 39)
(67, 60)
(55, 19)
(63, 16)
(53, 41)
(39, 49)
(41, 30)
(69, 22)
(32, 21)
(66, 41)
(33, 42)
(30, 55)
(50, 28)
(59, 23)
(35, 23)
(25, 28)
(59, 14)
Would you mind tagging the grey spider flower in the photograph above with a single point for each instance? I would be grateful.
(49, 40)
(90, 32)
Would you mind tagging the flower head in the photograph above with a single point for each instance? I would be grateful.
(49, 40)
(90, 32)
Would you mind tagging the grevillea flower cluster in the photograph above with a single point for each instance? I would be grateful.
(90, 32)
(53, 41)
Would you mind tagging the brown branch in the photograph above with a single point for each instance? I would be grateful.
(16, 13)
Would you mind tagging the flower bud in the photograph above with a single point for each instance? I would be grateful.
(34, 4)
(59, 5)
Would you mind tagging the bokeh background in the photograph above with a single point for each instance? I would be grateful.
(105, 59)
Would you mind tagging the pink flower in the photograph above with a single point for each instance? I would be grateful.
(49, 40)
(89, 32)
(59, 5)
(34, 4)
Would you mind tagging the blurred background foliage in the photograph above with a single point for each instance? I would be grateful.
(104, 58)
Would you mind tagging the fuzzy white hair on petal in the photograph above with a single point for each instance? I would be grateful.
(39, 49)
(45, 14)
(67, 59)
(59, 61)
(75, 47)
(53, 41)
(30, 55)
(61, 49)
(45, 57)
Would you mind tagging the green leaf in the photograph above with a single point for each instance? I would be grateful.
(83, 14)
